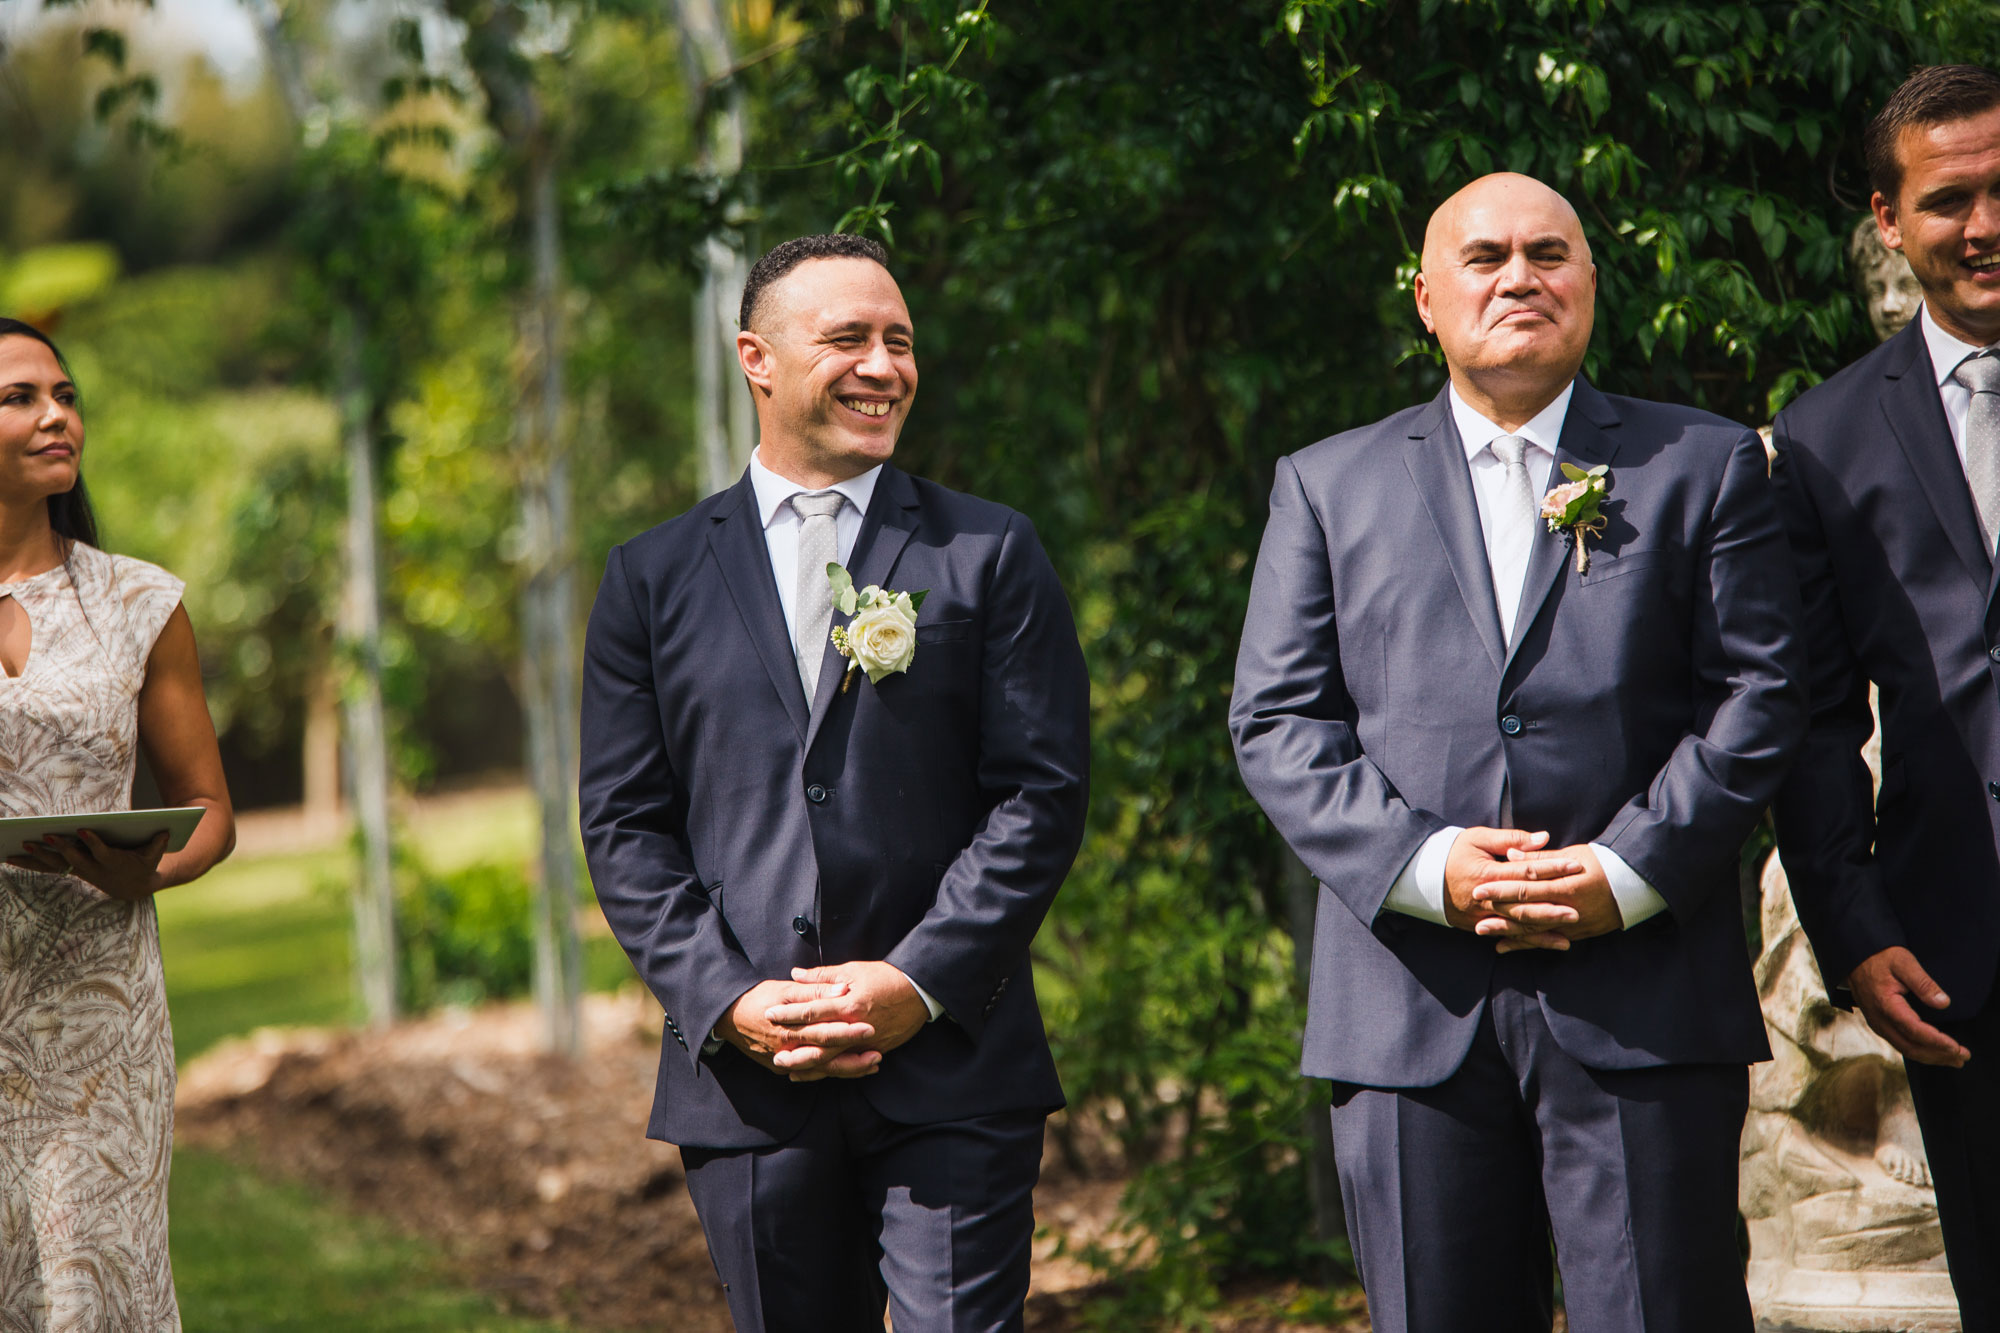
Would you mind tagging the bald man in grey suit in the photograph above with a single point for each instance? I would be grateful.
(1522, 773)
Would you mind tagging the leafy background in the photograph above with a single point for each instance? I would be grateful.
(1149, 247)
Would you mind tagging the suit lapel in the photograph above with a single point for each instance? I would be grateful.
(1916, 418)
(737, 542)
(885, 529)
(1444, 482)
(1584, 443)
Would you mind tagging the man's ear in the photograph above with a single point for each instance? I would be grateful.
(1885, 220)
(754, 355)
(1424, 303)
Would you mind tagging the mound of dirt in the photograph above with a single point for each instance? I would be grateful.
(532, 1173)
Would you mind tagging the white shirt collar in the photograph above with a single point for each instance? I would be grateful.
(1543, 431)
(773, 490)
(1946, 351)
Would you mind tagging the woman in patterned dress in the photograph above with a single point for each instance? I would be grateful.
(96, 660)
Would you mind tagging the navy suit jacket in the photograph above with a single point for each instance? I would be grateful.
(1899, 590)
(1650, 705)
(735, 833)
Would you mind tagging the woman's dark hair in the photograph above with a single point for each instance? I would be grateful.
(69, 513)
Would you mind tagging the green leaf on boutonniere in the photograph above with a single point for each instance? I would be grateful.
(844, 597)
(917, 600)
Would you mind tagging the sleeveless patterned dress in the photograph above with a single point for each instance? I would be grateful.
(86, 1055)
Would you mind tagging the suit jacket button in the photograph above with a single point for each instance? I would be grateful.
(1511, 725)
(815, 793)
(1994, 653)
(1993, 790)
(800, 925)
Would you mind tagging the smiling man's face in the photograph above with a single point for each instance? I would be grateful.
(1507, 285)
(1946, 221)
(833, 359)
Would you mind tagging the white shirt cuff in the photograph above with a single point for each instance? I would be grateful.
(937, 1010)
(1419, 889)
(1637, 900)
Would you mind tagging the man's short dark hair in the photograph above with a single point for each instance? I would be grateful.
(782, 259)
(1933, 95)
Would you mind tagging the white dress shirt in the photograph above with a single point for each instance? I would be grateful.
(1419, 889)
(1946, 354)
(781, 539)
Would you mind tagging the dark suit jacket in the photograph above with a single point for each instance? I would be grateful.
(1650, 705)
(734, 834)
(1899, 590)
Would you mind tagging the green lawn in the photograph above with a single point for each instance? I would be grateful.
(263, 941)
(251, 1255)
(258, 943)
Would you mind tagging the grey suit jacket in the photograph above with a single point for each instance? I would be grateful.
(1650, 705)
(736, 829)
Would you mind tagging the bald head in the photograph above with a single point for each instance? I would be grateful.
(1491, 202)
(1508, 288)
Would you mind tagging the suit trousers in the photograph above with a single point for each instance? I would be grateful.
(856, 1212)
(1959, 1112)
(1454, 1192)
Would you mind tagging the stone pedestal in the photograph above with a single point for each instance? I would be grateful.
(1843, 1221)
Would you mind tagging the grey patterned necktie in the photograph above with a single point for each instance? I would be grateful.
(1513, 534)
(812, 595)
(1980, 373)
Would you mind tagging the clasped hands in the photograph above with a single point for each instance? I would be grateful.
(826, 1022)
(1513, 888)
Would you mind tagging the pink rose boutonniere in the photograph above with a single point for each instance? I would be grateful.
(1571, 509)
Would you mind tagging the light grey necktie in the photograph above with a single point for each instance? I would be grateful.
(1513, 534)
(812, 595)
(1980, 373)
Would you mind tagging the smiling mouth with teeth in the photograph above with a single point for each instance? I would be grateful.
(868, 409)
(1984, 263)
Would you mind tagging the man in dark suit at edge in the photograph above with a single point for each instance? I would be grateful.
(1522, 779)
(830, 882)
(1888, 481)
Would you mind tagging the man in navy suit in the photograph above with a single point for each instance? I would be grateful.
(830, 881)
(1888, 478)
(1522, 775)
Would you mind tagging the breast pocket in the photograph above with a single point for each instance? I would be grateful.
(1604, 568)
(944, 631)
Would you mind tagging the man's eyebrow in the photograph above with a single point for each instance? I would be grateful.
(1937, 194)
(1487, 244)
(863, 326)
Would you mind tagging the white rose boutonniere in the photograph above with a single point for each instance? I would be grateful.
(881, 639)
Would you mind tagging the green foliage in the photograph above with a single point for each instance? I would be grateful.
(198, 462)
(1147, 256)
(51, 277)
(464, 935)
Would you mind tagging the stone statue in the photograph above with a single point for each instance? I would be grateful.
(1886, 283)
(1843, 1222)
(1836, 1192)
